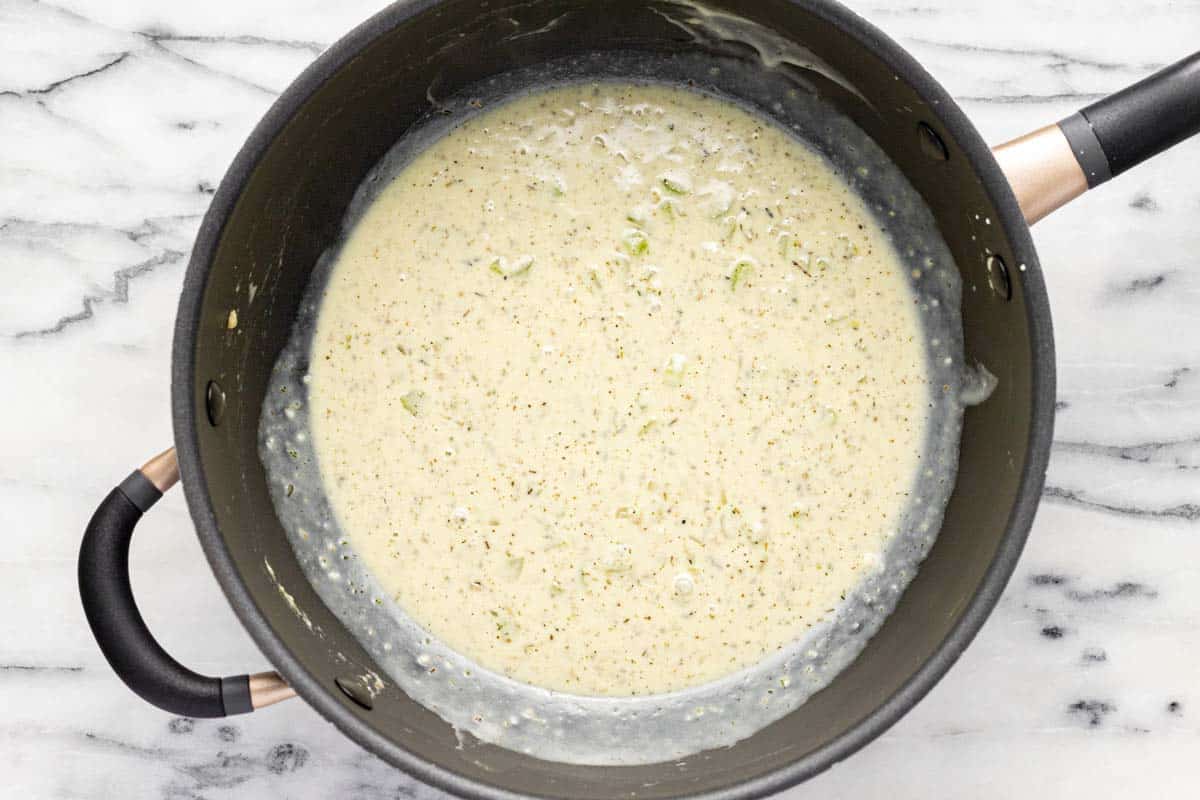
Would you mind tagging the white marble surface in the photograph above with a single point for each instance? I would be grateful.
(117, 119)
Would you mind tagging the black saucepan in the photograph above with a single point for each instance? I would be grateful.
(281, 205)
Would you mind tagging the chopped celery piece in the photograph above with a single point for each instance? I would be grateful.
(639, 214)
(507, 269)
(636, 242)
(733, 224)
(521, 265)
(791, 247)
(671, 208)
(647, 427)
(413, 401)
(717, 198)
(741, 271)
(675, 367)
(676, 181)
(786, 242)
(729, 226)
(515, 567)
(618, 559)
(846, 248)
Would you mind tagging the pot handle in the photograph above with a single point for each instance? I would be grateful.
(1055, 164)
(118, 626)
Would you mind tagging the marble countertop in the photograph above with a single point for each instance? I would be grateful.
(117, 120)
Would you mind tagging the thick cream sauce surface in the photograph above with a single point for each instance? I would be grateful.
(618, 389)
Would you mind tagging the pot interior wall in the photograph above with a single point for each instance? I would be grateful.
(290, 209)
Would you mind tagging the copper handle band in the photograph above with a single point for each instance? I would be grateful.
(162, 470)
(1042, 170)
(268, 688)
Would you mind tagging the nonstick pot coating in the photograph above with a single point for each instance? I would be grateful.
(281, 205)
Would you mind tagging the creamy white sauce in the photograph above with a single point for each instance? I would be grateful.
(801, 397)
(618, 389)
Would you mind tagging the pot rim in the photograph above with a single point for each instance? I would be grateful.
(187, 413)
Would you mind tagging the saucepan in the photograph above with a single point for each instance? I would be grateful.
(281, 205)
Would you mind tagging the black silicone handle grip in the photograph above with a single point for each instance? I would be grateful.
(118, 626)
(1126, 128)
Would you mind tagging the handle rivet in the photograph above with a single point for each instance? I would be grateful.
(932, 144)
(214, 403)
(356, 691)
(997, 273)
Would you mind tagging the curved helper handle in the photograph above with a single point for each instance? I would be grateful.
(118, 626)
(1055, 164)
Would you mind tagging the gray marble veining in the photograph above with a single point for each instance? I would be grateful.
(117, 120)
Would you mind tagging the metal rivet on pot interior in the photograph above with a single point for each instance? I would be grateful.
(356, 691)
(932, 144)
(214, 403)
(998, 277)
